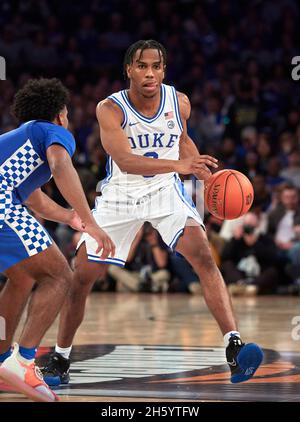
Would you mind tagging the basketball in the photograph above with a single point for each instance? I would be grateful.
(229, 194)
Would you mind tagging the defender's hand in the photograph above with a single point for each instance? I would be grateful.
(75, 221)
(103, 240)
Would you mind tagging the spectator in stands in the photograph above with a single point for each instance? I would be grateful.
(249, 259)
(281, 219)
(235, 66)
(147, 264)
(292, 172)
(293, 267)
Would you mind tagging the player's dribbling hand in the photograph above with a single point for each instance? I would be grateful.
(194, 165)
(204, 173)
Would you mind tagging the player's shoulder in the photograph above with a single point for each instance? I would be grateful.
(48, 127)
(184, 104)
(108, 109)
(183, 99)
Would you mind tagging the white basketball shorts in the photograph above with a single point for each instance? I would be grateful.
(167, 210)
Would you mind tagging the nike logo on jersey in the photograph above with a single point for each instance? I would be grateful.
(134, 123)
(233, 363)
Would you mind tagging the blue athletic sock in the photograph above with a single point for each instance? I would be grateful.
(5, 355)
(28, 354)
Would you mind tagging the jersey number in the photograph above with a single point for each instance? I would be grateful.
(152, 155)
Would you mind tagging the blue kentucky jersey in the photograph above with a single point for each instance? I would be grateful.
(23, 159)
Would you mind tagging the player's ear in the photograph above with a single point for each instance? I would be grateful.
(59, 120)
(128, 71)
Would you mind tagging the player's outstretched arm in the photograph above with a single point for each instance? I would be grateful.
(48, 209)
(187, 147)
(68, 183)
(116, 144)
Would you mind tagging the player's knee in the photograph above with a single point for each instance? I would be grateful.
(203, 257)
(64, 277)
(83, 278)
(68, 275)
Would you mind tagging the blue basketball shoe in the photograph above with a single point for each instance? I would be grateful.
(57, 370)
(243, 359)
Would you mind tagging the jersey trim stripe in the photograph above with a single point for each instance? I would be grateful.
(140, 116)
(179, 188)
(108, 259)
(176, 104)
(125, 118)
(175, 238)
(115, 261)
(109, 172)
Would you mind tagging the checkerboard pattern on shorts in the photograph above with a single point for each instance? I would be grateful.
(21, 164)
(33, 236)
(5, 199)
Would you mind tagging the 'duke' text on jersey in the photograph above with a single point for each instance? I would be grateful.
(153, 140)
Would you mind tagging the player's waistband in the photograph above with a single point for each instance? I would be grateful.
(113, 196)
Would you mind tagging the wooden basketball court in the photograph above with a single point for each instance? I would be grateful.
(167, 347)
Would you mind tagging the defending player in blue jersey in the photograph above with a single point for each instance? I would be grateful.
(40, 147)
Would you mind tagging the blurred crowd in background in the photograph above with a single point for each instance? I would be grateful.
(233, 59)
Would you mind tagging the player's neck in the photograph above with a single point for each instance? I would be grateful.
(148, 106)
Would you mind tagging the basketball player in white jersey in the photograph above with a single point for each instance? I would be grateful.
(143, 130)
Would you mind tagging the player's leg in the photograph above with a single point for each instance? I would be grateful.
(56, 371)
(183, 227)
(242, 359)
(13, 299)
(88, 267)
(54, 277)
(72, 313)
(194, 246)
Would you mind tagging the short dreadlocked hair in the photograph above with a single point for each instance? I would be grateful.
(40, 99)
(143, 45)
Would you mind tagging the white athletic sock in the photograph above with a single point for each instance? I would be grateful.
(64, 352)
(230, 334)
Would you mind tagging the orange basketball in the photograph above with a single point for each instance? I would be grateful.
(228, 194)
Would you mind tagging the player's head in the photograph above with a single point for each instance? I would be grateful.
(42, 99)
(144, 66)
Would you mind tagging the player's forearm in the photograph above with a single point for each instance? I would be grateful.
(45, 207)
(69, 185)
(136, 164)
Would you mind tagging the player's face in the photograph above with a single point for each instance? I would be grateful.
(147, 72)
(63, 118)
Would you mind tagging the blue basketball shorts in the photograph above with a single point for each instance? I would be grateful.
(21, 236)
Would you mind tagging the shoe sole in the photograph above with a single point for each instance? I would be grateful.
(249, 359)
(24, 388)
(52, 381)
(6, 387)
(56, 381)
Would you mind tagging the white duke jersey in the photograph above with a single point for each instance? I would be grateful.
(155, 137)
